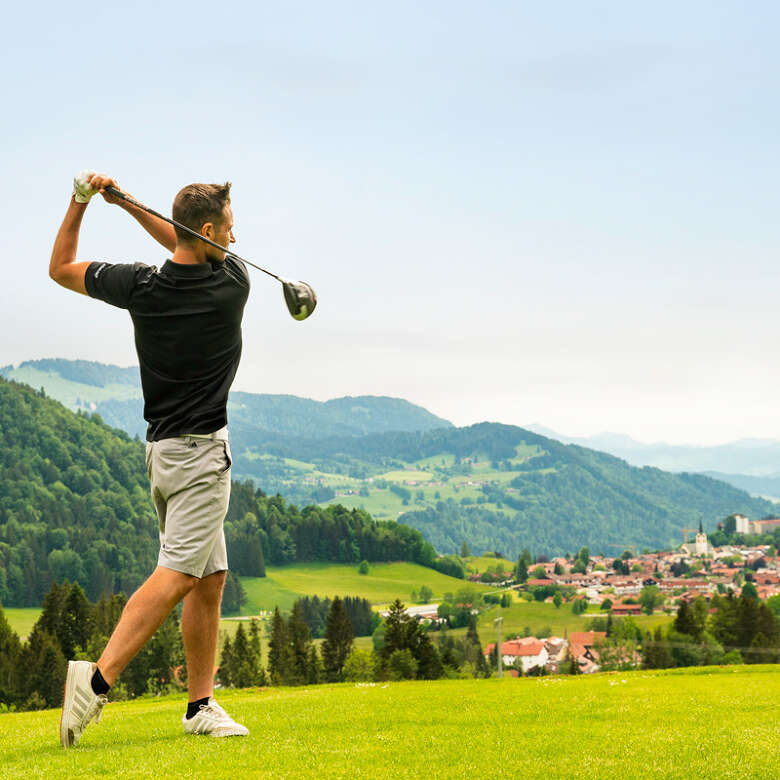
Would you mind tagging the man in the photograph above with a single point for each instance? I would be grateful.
(187, 321)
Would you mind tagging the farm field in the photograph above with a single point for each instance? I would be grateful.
(537, 615)
(21, 619)
(480, 563)
(428, 481)
(707, 722)
(383, 583)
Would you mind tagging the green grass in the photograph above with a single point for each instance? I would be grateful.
(537, 615)
(714, 723)
(383, 583)
(484, 562)
(21, 619)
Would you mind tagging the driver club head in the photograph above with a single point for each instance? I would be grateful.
(301, 300)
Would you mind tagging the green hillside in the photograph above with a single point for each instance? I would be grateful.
(497, 487)
(384, 582)
(75, 505)
(705, 723)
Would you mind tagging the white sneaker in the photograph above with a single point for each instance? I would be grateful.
(79, 703)
(214, 721)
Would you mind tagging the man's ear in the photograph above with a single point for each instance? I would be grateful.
(207, 230)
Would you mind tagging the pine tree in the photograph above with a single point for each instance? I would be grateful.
(748, 620)
(50, 619)
(402, 632)
(300, 641)
(226, 663)
(10, 663)
(163, 654)
(255, 652)
(106, 613)
(685, 622)
(314, 669)
(397, 625)
(338, 641)
(429, 665)
(75, 621)
(241, 672)
(44, 670)
(279, 656)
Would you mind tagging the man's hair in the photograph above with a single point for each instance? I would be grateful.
(196, 204)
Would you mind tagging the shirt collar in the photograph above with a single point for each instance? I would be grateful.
(198, 271)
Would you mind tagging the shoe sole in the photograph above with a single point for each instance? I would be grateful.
(66, 735)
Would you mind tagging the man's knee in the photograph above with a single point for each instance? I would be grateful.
(216, 580)
(212, 585)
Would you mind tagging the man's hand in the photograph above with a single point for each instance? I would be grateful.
(82, 189)
(99, 182)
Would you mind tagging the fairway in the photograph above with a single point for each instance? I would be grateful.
(707, 722)
(383, 583)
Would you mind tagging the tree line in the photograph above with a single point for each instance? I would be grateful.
(32, 673)
(727, 630)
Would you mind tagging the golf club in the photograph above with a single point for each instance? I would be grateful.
(300, 298)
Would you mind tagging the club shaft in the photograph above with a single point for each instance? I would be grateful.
(133, 202)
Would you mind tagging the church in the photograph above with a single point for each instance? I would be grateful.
(701, 547)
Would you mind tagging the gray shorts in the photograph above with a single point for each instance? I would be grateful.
(190, 478)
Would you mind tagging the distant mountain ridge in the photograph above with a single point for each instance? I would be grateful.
(750, 457)
(115, 394)
(526, 490)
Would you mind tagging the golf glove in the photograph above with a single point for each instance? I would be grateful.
(82, 192)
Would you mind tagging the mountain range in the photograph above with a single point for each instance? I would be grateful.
(115, 394)
(496, 487)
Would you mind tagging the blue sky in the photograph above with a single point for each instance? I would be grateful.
(560, 214)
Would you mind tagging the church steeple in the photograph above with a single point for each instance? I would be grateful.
(701, 530)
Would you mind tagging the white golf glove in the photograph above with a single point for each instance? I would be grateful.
(82, 192)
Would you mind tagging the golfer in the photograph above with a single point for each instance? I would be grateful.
(187, 320)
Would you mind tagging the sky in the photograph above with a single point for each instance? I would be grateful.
(559, 213)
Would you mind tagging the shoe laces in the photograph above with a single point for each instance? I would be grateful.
(214, 711)
(101, 702)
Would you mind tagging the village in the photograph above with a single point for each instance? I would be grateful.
(629, 585)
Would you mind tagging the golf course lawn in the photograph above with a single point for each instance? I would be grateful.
(699, 723)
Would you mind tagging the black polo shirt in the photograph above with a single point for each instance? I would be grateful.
(187, 321)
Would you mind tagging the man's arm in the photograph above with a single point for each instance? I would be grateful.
(63, 267)
(157, 228)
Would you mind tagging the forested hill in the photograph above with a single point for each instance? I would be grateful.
(115, 394)
(75, 505)
(500, 487)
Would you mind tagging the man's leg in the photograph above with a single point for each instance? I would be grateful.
(142, 616)
(200, 631)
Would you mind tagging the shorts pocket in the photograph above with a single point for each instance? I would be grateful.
(228, 458)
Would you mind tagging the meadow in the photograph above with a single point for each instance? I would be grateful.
(21, 619)
(706, 722)
(384, 583)
(536, 615)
